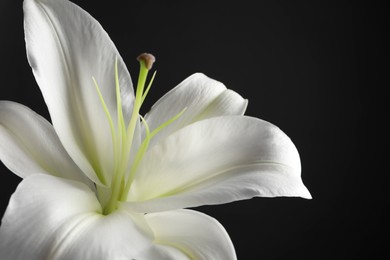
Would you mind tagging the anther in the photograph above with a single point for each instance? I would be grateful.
(148, 58)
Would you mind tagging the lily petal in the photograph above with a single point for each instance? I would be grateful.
(66, 47)
(216, 161)
(201, 96)
(29, 145)
(54, 218)
(200, 236)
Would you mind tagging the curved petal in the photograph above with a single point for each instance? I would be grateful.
(66, 47)
(201, 96)
(216, 161)
(200, 236)
(29, 145)
(54, 218)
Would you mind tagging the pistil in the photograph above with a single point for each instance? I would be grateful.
(123, 135)
(127, 134)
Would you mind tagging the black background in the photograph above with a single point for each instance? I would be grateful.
(315, 69)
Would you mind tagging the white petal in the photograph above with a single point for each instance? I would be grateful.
(41, 206)
(54, 218)
(200, 236)
(201, 96)
(66, 47)
(216, 161)
(29, 145)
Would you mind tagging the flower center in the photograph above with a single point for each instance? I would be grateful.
(122, 134)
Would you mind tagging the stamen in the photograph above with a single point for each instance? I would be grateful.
(121, 121)
(122, 137)
(127, 135)
(143, 148)
(119, 152)
(141, 152)
(168, 122)
(106, 111)
(148, 87)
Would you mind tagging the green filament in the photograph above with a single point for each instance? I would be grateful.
(123, 135)
(106, 111)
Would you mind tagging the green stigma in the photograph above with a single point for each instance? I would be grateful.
(122, 134)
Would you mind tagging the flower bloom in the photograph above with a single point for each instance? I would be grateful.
(103, 182)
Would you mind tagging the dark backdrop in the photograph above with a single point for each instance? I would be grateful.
(316, 70)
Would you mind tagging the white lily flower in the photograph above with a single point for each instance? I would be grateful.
(102, 182)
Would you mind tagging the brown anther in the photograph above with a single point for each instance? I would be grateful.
(148, 58)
